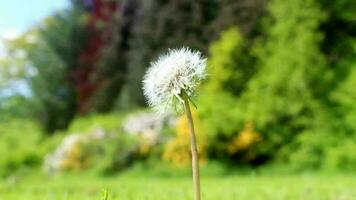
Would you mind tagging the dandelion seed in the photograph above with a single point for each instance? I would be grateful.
(178, 71)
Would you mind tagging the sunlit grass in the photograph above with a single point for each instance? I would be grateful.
(244, 187)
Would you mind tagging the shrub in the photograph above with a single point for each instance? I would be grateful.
(19, 140)
(219, 114)
(243, 144)
(95, 142)
(231, 66)
(341, 157)
(230, 63)
(345, 98)
(114, 153)
(282, 99)
(111, 122)
(177, 150)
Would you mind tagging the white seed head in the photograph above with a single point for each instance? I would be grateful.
(177, 71)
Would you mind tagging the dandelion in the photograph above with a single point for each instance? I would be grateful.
(171, 82)
(174, 74)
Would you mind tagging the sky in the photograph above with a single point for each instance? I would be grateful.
(17, 16)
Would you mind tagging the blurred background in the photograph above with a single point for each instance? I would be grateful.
(280, 95)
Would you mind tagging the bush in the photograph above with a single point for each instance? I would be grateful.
(243, 145)
(342, 157)
(230, 63)
(19, 140)
(109, 122)
(177, 150)
(345, 98)
(114, 153)
(97, 143)
(220, 114)
(282, 99)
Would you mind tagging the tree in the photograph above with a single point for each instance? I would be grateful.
(111, 70)
(51, 54)
(281, 99)
(160, 25)
(72, 64)
(245, 14)
(231, 63)
(14, 87)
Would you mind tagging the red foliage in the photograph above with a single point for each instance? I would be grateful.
(97, 25)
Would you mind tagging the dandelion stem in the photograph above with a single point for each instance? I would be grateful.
(194, 149)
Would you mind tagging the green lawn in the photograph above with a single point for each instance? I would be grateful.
(292, 187)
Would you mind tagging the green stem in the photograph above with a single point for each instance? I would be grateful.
(194, 149)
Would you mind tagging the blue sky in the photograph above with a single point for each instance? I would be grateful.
(19, 15)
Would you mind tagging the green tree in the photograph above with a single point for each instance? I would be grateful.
(230, 64)
(230, 67)
(14, 86)
(281, 99)
(345, 97)
(52, 52)
(54, 102)
(112, 71)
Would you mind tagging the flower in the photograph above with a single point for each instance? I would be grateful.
(178, 71)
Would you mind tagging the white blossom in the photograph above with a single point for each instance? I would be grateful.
(177, 71)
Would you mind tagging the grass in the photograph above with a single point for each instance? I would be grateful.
(235, 187)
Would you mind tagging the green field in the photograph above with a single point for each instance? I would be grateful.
(244, 187)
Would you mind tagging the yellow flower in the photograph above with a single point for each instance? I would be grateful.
(245, 139)
(177, 151)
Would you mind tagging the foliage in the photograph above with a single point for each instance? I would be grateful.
(345, 98)
(77, 157)
(177, 150)
(14, 91)
(110, 122)
(158, 26)
(230, 65)
(219, 114)
(243, 143)
(13, 69)
(110, 153)
(114, 154)
(66, 57)
(281, 98)
(282, 94)
(18, 139)
(280, 88)
(228, 75)
(14, 106)
(53, 101)
(342, 156)
(106, 155)
(242, 13)
(97, 49)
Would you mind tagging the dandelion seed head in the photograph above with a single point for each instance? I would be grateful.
(174, 72)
